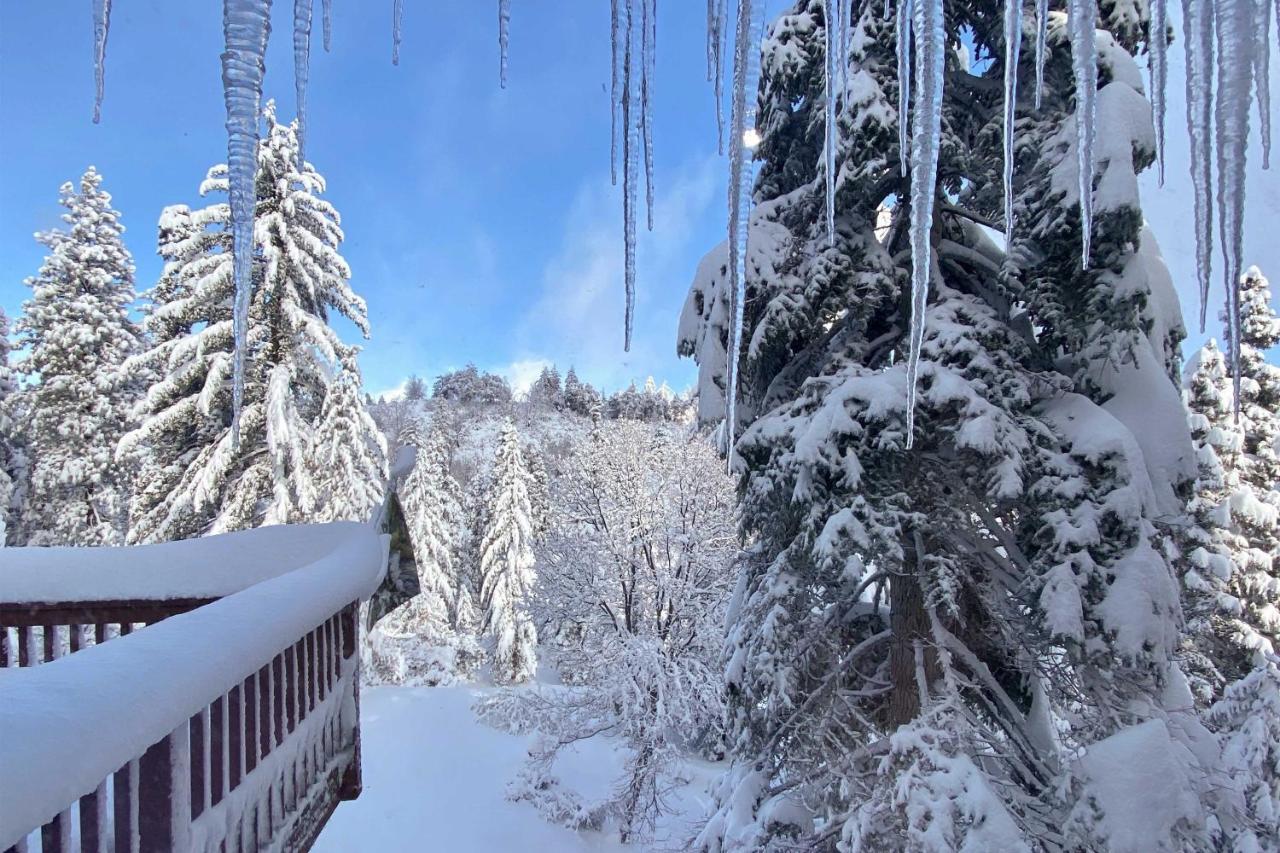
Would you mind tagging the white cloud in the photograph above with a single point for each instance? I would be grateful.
(521, 375)
(394, 393)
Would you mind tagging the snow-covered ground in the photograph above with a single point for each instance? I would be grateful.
(435, 779)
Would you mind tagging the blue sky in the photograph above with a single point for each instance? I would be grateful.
(481, 225)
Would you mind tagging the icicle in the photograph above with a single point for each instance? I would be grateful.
(1042, 30)
(1084, 65)
(721, 14)
(1012, 47)
(246, 26)
(326, 7)
(904, 84)
(711, 38)
(1237, 37)
(888, 6)
(1198, 23)
(101, 26)
(926, 132)
(504, 30)
(628, 176)
(833, 30)
(397, 14)
(1261, 73)
(614, 94)
(746, 72)
(301, 70)
(1158, 44)
(648, 35)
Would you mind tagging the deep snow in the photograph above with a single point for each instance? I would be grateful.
(435, 779)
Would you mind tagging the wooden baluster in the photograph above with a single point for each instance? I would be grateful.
(235, 736)
(93, 818)
(217, 750)
(199, 761)
(312, 671)
(126, 628)
(125, 829)
(265, 692)
(291, 687)
(77, 637)
(277, 698)
(7, 656)
(100, 633)
(26, 642)
(164, 800)
(49, 634)
(251, 736)
(352, 781)
(55, 836)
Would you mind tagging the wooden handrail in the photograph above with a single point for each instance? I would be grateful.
(249, 739)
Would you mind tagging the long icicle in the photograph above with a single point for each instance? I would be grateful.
(904, 85)
(648, 34)
(1012, 47)
(246, 26)
(301, 69)
(833, 36)
(397, 17)
(746, 72)
(504, 39)
(629, 178)
(1236, 26)
(326, 13)
(1084, 65)
(721, 14)
(926, 130)
(1158, 43)
(1261, 73)
(1042, 31)
(101, 28)
(1197, 17)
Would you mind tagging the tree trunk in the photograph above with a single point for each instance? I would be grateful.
(909, 622)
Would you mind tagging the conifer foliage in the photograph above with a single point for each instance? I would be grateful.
(78, 401)
(12, 459)
(433, 507)
(506, 564)
(348, 455)
(202, 481)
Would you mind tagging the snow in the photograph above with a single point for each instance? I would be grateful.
(52, 715)
(432, 771)
(246, 26)
(211, 567)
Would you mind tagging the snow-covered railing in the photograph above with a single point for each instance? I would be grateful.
(231, 726)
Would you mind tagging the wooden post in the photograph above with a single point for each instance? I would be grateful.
(164, 795)
(125, 793)
(352, 779)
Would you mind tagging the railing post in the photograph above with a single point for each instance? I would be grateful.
(349, 626)
(164, 794)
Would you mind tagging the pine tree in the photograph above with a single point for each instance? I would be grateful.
(506, 564)
(579, 397)
(415, 389)
(12, 459)
(928, 638)
(206, 482)
(546, 390)
(77, 404)
(348, 455)
(433, 508)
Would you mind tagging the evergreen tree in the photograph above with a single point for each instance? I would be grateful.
(348, 454)
(506, 564)
(928, 639)
(78, 402)
(208, 483)
(415, 389)
(546, 390)
(433, 509)
(579, 397)
(12, 459)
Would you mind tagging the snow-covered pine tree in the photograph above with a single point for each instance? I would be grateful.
(79, 395)
(12, 459)
(433, 508)
(546, 390)
(210, 483)
(580, 397)
(948, 646)
(348, 455)
(506, 564)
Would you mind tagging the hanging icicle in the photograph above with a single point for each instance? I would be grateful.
(718, 90)
(504, 30)
(926, 132)
(648, 35)
(1197, 18)
(1236, 23)
(326, 12)
(1158, 44)
(1042, 31)
(101, 27)
(1261, 74)
(246, 25)
(744, 136)
(904, 85)
(301, 69)
(629, 143)
(1082, 19)
(833, 32)
(615, 95)
(397, 14)
(1012, 47)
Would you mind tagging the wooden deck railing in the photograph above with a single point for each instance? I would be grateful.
(228, 723)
